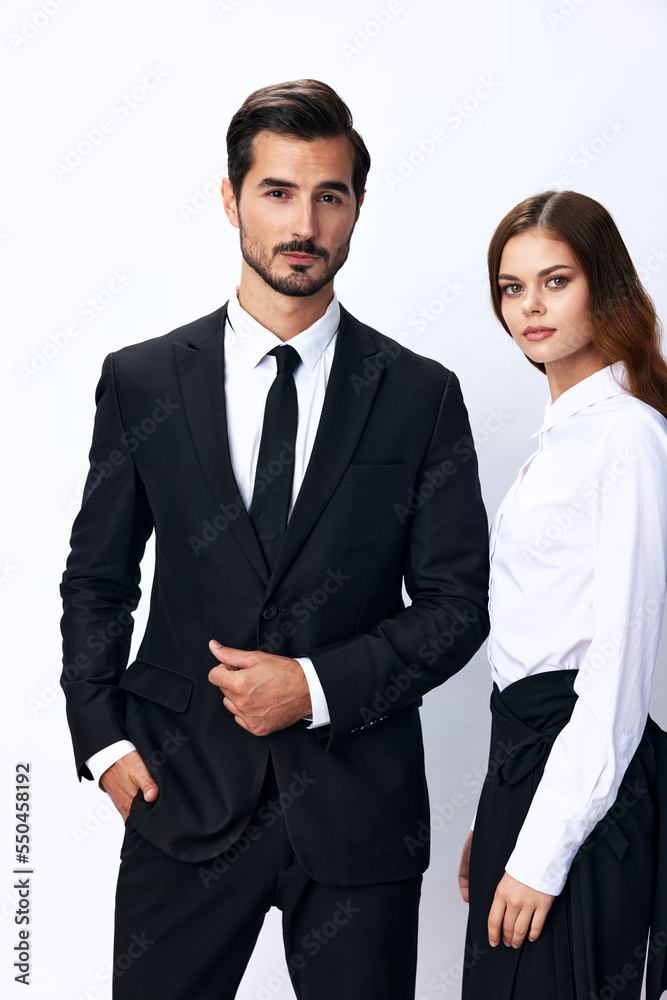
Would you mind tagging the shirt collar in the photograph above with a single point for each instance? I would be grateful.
(601, 385)
(256, 341)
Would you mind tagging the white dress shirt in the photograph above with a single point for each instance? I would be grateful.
(578, 575)
(249, 374)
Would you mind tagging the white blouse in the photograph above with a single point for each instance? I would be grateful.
(578, 578)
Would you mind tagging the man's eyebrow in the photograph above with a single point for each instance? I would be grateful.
(276, 182)
(540, 274)
(339, 186)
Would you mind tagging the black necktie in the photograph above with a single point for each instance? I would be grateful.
(275, 463)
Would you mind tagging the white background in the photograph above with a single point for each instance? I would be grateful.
(570, 96)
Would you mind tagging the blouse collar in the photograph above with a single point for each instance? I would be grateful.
(603, 384)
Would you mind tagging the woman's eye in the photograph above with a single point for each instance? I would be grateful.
(559, 281)
(512, 289)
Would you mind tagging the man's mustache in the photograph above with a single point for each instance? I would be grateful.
(302, 246)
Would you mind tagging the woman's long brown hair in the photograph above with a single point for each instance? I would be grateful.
(623, 319)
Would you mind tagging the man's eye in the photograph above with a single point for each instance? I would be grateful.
(331, 199)
(277, 194)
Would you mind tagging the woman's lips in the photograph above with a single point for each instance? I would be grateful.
(538, 332)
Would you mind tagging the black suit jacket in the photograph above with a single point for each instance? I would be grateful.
(390, 494)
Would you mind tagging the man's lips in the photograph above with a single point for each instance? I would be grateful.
(299, 258)
(538, 332)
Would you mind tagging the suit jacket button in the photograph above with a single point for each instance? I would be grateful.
(269, 612)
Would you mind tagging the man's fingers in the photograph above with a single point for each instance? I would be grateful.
(240, 718)
(123, 808)
(125, 778)
(225, 677)
(138, 777)
(229, 705)
(268, 692)
(122, 801)
(146, 783)
(233, 661)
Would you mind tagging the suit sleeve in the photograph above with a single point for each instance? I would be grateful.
(100, 586)
(446, 575)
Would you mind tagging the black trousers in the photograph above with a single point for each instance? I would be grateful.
(186, 931)
(594, 942)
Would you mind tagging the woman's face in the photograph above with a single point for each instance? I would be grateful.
(545, 299)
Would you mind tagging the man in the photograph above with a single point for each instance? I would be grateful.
(291, 493)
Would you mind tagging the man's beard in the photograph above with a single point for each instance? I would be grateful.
(299, 283)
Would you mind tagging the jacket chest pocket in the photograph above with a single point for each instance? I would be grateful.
(378, 473)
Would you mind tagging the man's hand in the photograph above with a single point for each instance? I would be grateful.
(516, 910)
(123, 780)
(264, 692)
(464, 870)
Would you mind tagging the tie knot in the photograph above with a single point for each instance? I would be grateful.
(287, 358)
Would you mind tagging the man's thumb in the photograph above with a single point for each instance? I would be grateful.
(148, 786)
(231, 657)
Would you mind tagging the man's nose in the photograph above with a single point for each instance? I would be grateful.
(304, 221)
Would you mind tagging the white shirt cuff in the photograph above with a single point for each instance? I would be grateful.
(548, 842)
(103, 759)
(318, 701)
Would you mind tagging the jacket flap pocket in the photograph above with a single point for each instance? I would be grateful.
(159, 684)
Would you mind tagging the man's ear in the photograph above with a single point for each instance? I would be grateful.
(229, 202)
(361, 201)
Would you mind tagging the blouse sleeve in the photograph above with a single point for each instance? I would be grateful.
(627, 498)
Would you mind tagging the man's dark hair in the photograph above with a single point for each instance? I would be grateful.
(304, 109)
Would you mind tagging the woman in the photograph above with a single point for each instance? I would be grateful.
(565, 846)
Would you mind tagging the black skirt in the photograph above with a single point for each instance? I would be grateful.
(612, 913)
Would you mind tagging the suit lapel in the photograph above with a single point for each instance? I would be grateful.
(201, 375)
(347, 404)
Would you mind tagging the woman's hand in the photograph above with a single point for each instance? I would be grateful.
(517, 910)
(464, 869)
